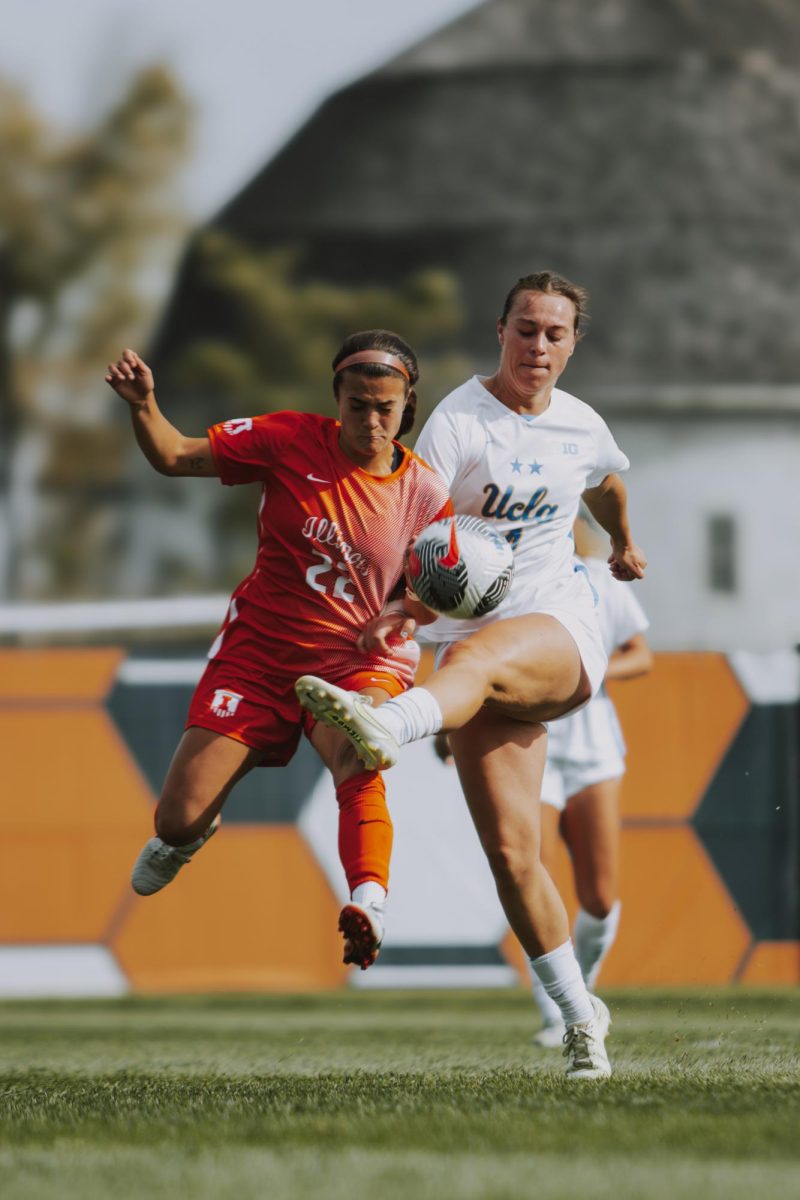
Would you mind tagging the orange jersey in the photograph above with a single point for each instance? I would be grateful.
(331, 540)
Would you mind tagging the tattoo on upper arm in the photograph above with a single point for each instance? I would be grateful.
(196, 464)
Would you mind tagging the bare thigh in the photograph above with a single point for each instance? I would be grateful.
(500, 763)
(203, 770)
(590, 826)
(524, 667)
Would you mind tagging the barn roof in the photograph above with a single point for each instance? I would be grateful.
(649, 149)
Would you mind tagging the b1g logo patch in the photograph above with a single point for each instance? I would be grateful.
(225, 703)
(238, 425)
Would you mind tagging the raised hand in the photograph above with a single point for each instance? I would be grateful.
(627, 563)
(131, 378)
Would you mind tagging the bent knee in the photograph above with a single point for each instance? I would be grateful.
(598, 899)
(344, 763)
(179, 824)
(583, 692)
(512, 865)
(585, 688)
(471, 655)
(173, 829)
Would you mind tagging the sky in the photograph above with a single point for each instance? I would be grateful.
(254, 69)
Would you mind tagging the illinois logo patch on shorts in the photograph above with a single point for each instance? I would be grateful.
(225, 703)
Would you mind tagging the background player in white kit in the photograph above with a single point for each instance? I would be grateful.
(520, 453)
(583, 778)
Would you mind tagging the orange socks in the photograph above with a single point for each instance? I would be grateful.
(365, 829)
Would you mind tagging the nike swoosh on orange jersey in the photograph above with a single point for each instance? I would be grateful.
(316, 479)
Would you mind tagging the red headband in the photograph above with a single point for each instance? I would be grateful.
(374, 356)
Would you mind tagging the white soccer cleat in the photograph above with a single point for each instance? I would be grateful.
(550, 1036)
(584, 1045)
(362, 926)
(354, 715)
(158, 863)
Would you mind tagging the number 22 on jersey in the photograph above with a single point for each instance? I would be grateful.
(330, 579)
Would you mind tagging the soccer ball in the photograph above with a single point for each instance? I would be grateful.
(459, 567)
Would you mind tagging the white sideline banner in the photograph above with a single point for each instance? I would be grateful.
(176, 612)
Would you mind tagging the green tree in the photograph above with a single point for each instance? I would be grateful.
(84, 223)
(271, 329)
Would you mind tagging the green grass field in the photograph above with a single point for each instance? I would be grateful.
(407, 1095)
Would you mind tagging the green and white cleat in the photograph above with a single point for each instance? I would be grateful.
(354, 715)
(158, 863)
(584, 1045)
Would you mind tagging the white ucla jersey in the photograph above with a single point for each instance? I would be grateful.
(524, 475)
(593, 734)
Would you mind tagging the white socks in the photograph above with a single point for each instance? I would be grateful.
(370, 892)
(413, 715)
(549, 1010)
(594, 937)
(560, 977)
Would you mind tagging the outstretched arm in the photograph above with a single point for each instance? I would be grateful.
(630, 660)
(164, 446)
(608, 504)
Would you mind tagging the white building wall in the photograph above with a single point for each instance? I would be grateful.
(682, 471)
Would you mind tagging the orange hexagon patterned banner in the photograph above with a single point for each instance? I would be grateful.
(709, 851)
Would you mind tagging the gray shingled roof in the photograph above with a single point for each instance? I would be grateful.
(540, 32)
(648, 148)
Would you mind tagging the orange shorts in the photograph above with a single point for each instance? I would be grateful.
(262, 711)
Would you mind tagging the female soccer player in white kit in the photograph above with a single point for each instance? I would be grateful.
(583, 777)
(519, 453)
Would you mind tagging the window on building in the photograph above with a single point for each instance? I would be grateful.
(721, 553)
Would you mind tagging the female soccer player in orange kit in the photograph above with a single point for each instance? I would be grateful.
(340, 502)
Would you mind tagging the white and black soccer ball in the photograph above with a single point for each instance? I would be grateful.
(460, 567)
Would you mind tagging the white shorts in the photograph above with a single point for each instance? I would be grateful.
(572, 602)
(563, 780)
(583, 748)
